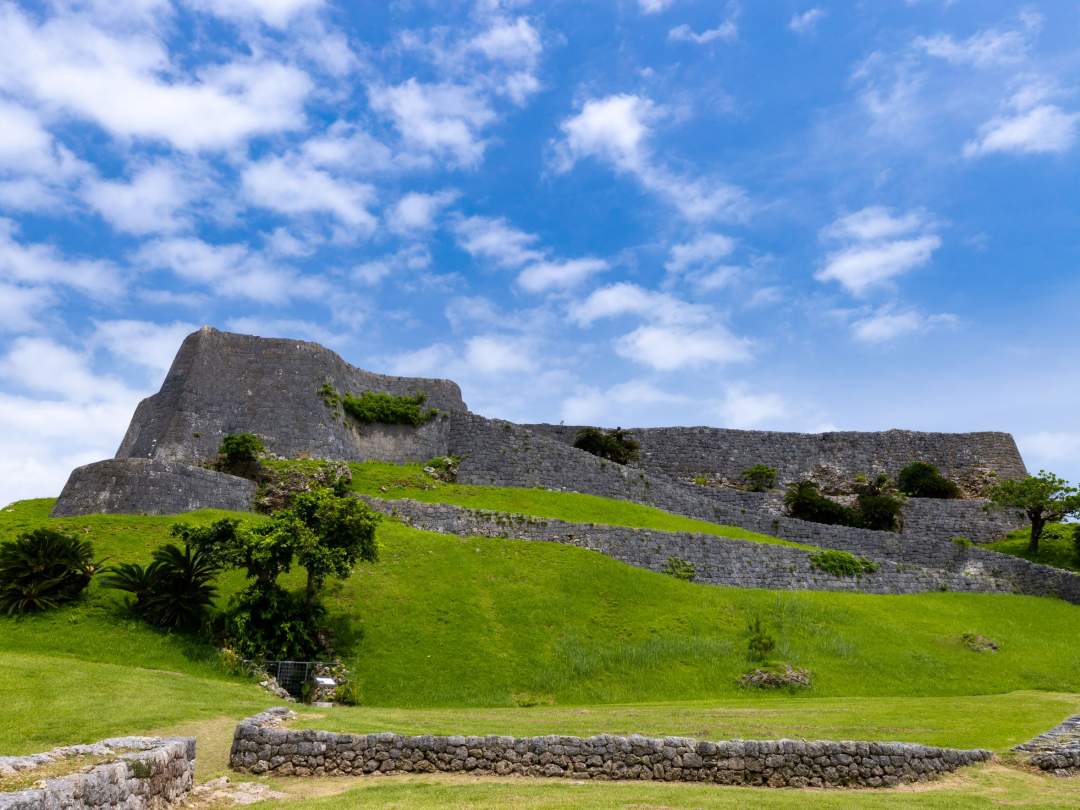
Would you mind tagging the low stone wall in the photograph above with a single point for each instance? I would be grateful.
(1056, 750)
(716, 560)
(149, 772)
(143, 486)
(259, 747)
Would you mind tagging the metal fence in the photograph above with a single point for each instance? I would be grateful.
(292, 675)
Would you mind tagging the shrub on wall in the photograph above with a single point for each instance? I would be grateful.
(922, 480)
(615, 445)
(804, 500)
(679, 568)
(842, 564)
(239, 455)
(387, 409)
(760, 478)
(43, 569)
(878, 506)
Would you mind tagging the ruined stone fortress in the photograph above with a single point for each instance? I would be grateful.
(222, 383)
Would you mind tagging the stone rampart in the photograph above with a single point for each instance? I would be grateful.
(222, 383)
(259, 747)
(150, 487)
(716, 560)
(148, 772)
(685, 452)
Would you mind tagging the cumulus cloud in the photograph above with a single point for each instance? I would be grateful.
(21, 307)
(984, 49)
(744, 408)
(887, 324)
(153, 201)
(36, 171)
(275, 13)
(1042, 129)
(293, 188)
(67, 63)
(44, 265)
(496, 240)
(548, 275)
(417, 212)
(671, 348)
(624, 298)
(805, 22)
(654, 6)
(875, 247)
(616, 129)
(726, 32)
(700, 253)
(146, 344)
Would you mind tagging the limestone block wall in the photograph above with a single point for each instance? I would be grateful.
(222, 383)
(716, 560)
(684, 452)
(943, 520)
(148, 772)
(259, 747)
(150, 487)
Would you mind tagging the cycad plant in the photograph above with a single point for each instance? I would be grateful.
(173, 591)
(43, 569)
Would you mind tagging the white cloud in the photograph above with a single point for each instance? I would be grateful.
(143, 343)
(616, 129)
(442, 119)
(42, 264)
(984, 49)
(233, 270)
(548, 275)
(276, 13)
(514, 42)
(20, 307)
(416, 211)
(495, 240)
(35, 170)
(118, 81)
(671, 348)
(806, 21)
(591, 406)
(429, 361)
(498, 354)
(295, 189)
(743, 408)
(876, 246)
(624, 298)
(886, 324)
(152, 202)
(703, 251)
(726, 31)
(1046, 129)
(284, 328)
(654, 6)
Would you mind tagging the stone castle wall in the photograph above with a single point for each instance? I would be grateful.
(259, 748)
(716, 560)
(221, 383)
(150, 487)
(149, 772)
(685, 452)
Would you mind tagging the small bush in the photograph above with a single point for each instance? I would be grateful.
(804, 500)
(979, 644)
(701, 480)
(922, 480)
(760, 478)
(388, 409)
(329, 396)
(760, 644)
(961, 542)
(615, 445)
(679, 568)
(239, 455)
(842, 564)
(878, 507)
(443, 468)
(43, 569)
(348, 692)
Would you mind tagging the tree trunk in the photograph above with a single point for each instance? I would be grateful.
(1037, 524)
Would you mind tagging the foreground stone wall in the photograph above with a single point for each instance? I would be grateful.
(149, 772)
(684, 452)
(150, 487)
(716, 560)
(259, 747)
(1057, 750)
(222, 383)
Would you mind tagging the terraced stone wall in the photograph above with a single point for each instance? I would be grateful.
(149, 772)
(259, 747)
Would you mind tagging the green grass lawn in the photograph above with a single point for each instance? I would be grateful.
(1056, 547)
(382, 480)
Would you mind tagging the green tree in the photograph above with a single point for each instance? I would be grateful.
(239, 454)
(1043, 497)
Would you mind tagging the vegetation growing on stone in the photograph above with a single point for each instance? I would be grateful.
(804, 500)
(876, 506)
(43, 569)
(760, 478)
(379, 407)
(842, 563)
(920, 479)
(679, 568)
(239, 454)
(614, 445)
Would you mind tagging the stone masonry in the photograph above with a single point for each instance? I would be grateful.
(260, 746)
(149, 772)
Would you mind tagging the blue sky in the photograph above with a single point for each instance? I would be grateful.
(795, 215)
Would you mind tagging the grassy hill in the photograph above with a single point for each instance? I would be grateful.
(1056, 547)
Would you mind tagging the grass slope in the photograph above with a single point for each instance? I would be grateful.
(391, 481)
(1056, 547)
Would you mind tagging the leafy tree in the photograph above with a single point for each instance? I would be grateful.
(760, 644)
(43, 569)
(615, 445)
(1043, 497)
(239, 454)
(877, 505)
(920, 479)
(760, 478)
